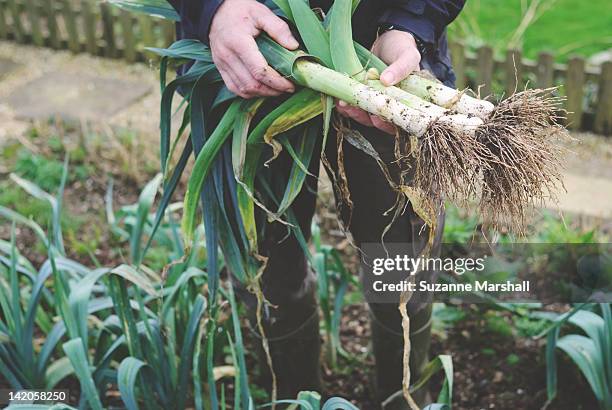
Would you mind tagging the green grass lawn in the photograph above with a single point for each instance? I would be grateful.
(567, 27)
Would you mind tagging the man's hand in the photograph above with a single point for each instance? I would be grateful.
(399, 50)
(232, 35)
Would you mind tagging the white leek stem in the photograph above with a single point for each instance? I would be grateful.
(407, 113)
(340, 86)
(459, 122)
(447, 97)
(408, 98)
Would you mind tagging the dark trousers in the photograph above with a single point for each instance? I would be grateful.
(290, 285)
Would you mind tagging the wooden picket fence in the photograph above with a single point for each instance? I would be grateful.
(91, 26)
(588, 90)
(100, 29)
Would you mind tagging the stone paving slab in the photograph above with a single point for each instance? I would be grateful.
(7, 66)
(74, 97)
(590, 196)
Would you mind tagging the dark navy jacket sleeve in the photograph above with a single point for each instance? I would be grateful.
(196, 16)
(427, 19)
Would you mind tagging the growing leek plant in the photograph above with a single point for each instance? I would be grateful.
(118, 326)
(334, 281)
(126, 329)
(20, 362)
(590, 350)
(462, 148)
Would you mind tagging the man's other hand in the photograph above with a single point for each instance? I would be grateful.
(399, 50)
(232, 35)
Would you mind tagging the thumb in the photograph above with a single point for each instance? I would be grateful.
(399, 70)
(276, 28)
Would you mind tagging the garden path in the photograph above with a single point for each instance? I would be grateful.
(38, 83)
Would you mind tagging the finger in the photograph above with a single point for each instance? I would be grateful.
(259, 69)
(228, 79)
(400, 69)
(221, 56)
(354, 113)
(383, 125)
(276, 28)
(249, 85)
